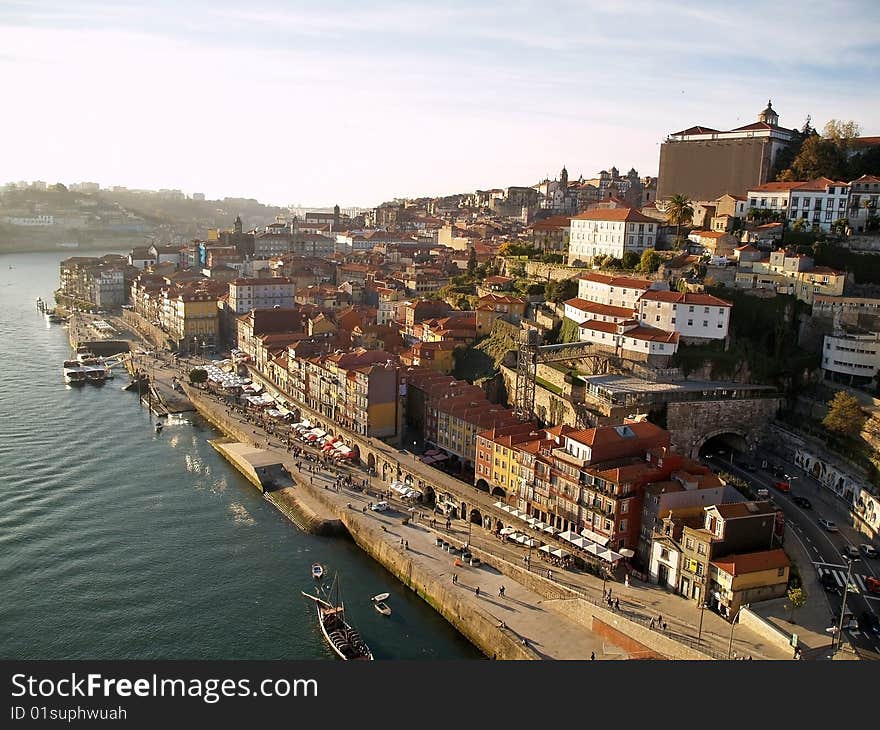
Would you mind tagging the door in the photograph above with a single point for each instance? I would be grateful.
(663, 574)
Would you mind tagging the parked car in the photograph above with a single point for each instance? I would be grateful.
(849, 621)
(380, 506)
(827, 525)
(872, 584)
(782, 486)
(802, 502)
(869, 622)
(869, 551)
(852, 552)
(829, 583)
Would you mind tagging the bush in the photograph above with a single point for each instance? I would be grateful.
(198, 375)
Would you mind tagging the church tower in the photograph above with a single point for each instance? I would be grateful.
(769, 116)
(237, 226)
(563, 177)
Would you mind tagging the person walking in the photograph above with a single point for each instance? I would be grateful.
(616, 604)
(454, 578)
(477, 591)
(501, 591)
(593, 656)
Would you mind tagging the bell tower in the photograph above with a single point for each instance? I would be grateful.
(769, 116)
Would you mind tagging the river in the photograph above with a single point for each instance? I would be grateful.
(120, 543)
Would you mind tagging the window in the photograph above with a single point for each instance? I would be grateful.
(690, 309)
(705, 323)
(701, 548)
(673, 320)
(705, 310)
(780, 572)
(690, 323)
(699, 569)
(657, 318)
(623, 524)
(689, 543)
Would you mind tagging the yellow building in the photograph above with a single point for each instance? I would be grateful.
(499, 461)
(193, 322)
(789, 273)
(748, 578)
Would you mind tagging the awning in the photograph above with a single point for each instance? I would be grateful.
(552, 530)
(545, 549)
(594, 537)
(507, 531)
(568, 535)
(559, 553)
(519, 515)
(608, 555)
(499, 505)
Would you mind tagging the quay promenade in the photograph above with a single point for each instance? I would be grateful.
(639, 602)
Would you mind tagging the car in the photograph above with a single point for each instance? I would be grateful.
(802, 502)
(749, 466)
(849, 621)
(827, 525)
(872, 584)
(829, 583)
(869, 622)
(851, 552)
(379, 506)
(782, 486)
(869, 551)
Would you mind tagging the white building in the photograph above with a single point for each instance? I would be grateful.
(850, 355)
(616, 291)
(247, 294)
(581, 310)
(612, 231)
(630, 337)
(817, 202)
(31, 221)
(696, 316)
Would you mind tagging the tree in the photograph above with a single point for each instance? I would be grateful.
(799, 225)
(464, 304)
(560, 291)
(842, 133)
(630, 260)
(472, 262)
(820, 157)
(797, 598)
(59, 188)
(680, 212)
(198, 375)
(650, 261)
(845, 415)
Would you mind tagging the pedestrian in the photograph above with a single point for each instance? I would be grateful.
(616, 604)
(664, 626)
(659, 619)
(406, 544)
(477, 591)
(550, 574)
(626, 581)
(454, 578)
(653, 623)
(501, 591)
(593, 656)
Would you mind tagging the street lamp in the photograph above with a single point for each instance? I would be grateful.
(839, 641)
(700, 631)
(732, 625)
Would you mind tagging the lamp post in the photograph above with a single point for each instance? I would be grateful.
(732, 625)
(839, 640)
(700, 631)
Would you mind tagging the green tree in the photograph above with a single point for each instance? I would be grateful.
(472, 262)
(679, 212)
(820, 157)
(560, 291)
(845, 415)
(682, 286)
(630, 260)
(799, 225)
(59, 188)
(198, 375)
(463, 304)
(797, 598)
(650, 261)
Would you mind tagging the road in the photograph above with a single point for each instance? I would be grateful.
(825, 548)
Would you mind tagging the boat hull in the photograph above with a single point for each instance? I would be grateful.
(322, 608)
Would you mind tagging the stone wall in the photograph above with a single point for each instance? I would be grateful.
(765, 630)
(154, 334)
(691, 423)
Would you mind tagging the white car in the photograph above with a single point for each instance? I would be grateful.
(379, 506)
(827, 525)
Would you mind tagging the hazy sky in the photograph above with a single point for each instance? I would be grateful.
(360, 102)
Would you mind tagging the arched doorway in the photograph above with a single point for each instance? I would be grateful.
(430, 495)
(371, 461)
(482, 485)
(722, 447)
(476, 517)
(499, 492)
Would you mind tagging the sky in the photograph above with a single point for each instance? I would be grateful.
(316, 103)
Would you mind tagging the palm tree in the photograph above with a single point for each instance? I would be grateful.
(680, 211)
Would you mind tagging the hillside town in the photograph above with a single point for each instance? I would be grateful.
(647, 367)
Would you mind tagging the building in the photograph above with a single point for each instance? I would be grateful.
(496, 306)
(193, 321)
(580, 310)
(821, 202)
(786, 272)
(704, 163)
(454, 422)
(736, 580)
(696, 317)
(863, 199)
(615, 291)
(851, 358)
(265, 293)
(726, 529)
(435, 355)
(499, 457)
(629, 339)
(94, 283)
(610, 232)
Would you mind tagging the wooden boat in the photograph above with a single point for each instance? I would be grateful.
(342, 638)
(317, 571)
(380, 605)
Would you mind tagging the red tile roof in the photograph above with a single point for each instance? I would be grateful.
(622, 281)
(684, 298)
(630, 215)
(752, 562)
(602, 309)
(640, 332)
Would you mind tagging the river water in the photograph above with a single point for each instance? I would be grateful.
(120, 543)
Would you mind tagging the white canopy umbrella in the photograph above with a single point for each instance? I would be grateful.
(519, 515)
(529, 542)
(507, 508)
(559, 553)
(499, 505)
(546, 549)
(580, 542)
(507, 531)
(608, 554)
(552, 530)
(534, 521)
(568, 535)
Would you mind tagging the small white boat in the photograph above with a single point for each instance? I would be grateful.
(317, 571)
(158, 427)
(380, 605)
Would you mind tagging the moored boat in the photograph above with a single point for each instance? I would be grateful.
(317, 571)
(342, 638)
(73, 372)
(380, 605)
